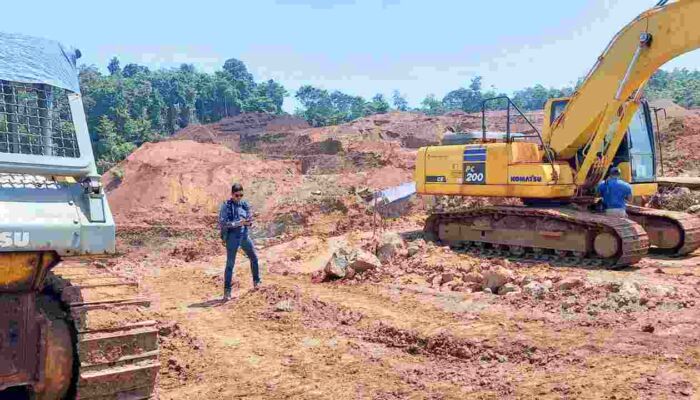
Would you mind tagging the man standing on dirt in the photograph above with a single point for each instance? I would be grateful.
(235, 219)
(615, 193)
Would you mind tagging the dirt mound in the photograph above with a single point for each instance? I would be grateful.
(244, 127)
(673, 110)
(175, 188)
(679, 140)
(185, 176)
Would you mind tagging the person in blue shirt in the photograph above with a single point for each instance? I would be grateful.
(615, 193)
(235, 220)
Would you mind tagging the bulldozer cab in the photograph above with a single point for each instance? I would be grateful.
(636, 156)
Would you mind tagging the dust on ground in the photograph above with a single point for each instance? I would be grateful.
(420, 321)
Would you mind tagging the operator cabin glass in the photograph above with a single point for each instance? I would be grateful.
(641, 150)
(35, 119)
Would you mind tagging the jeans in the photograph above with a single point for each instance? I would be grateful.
(233, 242)
(616, 212)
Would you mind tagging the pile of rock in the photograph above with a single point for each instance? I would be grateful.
(346, 262)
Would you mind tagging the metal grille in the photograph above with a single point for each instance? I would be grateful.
(35, 119)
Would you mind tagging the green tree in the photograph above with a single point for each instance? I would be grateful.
(110, 148)
(131, 70)
(113, 66)
(465, 99)
(399, 101)
(431, 105)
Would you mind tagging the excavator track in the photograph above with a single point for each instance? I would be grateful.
(116, 345)
(670, 232)
(553, 234)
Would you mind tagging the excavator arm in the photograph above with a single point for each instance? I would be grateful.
(599, 113)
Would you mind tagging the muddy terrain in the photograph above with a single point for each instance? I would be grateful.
(356, 306)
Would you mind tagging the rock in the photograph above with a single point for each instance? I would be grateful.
(284, 306)
(447, 277)
(390, 245)
(567, 284)
(452, 284)
(361, 261)
(473, 286)
(502, 262)
(346, 262)
(350, 273)
(527, 280)
(509, 288)
(693, 209)
(168, 328)
(488, 290)
(648, 328)
(535, 289)
(569, 302)
(627, 294)
(629, 290)
(497, 277)
(473, 277)
(662, 290)
(548, 284)
(413, 250)
(337, 266)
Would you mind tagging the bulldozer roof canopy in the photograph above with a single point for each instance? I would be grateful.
(28, 59)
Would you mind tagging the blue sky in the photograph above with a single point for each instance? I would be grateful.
(357, 46)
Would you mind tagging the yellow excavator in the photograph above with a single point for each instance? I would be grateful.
(605, 123)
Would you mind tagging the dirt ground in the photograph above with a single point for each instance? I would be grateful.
(417, 327)
(398, 335)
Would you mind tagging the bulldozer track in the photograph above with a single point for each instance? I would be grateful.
(688, 224)
(116, 345)
(634, 242)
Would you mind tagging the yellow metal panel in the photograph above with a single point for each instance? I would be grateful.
(524, 152)
(419, 173)
(445, 161)
(543, 192)
(497, 166)
(625, 171)
(539, 174)
(644, 189)
(17, 270)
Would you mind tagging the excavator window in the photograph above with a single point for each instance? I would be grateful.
(637, 147)
(641, 148)
(557, 108)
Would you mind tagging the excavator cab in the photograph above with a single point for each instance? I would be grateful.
(636, 156)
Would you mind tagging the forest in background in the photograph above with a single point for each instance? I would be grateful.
(131, 105)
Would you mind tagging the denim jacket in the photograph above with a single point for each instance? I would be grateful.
(230, 215)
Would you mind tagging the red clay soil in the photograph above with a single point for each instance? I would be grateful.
(680, 144)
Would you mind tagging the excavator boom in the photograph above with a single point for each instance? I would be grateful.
(598, 107)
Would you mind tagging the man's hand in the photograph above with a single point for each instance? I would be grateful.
(246, 222)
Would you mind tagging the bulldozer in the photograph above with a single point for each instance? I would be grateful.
(69, 327)
(554, 170)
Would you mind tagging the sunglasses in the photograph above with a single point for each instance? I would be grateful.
(238, 195)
